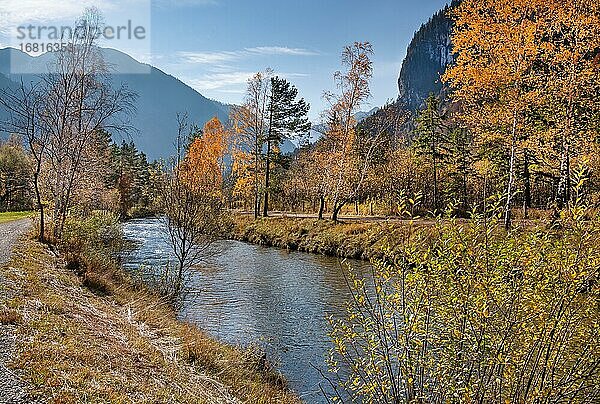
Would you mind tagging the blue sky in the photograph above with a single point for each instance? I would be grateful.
(215, 45)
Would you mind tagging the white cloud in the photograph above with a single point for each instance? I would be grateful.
(225, 72)
(209, 58)
(223, 82)
(219, 80)
(280, 50)
(223, 57)
(18, 12)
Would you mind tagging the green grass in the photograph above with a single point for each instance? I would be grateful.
(10, 216)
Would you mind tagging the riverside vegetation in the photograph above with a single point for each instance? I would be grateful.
(88, 330)
(460, 309)
(346, 240)
(468, 312)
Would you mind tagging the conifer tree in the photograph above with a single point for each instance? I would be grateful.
(432, 140)
(287, 118)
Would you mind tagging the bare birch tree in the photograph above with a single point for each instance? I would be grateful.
(25, 107)
(80, 101)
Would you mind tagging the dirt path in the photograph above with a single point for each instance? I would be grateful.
(9, 234)
(12, 389)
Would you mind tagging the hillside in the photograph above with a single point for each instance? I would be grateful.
(155, 119)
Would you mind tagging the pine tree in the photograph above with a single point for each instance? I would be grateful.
(433, 139)
(287, 118)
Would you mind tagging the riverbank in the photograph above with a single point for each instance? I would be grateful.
(364, 241)
(84, 331)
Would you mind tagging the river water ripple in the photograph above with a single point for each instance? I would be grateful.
(247, 294)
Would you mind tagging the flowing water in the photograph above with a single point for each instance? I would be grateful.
(247, 294)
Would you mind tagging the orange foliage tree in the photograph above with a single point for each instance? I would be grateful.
(496, 47)
(202, 168)
(340, 138)
(571, 58)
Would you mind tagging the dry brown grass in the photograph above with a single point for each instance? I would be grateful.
(349, 240)
(8, 316)
(95, 338)
(359, 240)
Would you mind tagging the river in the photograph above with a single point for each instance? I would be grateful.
(247, 294)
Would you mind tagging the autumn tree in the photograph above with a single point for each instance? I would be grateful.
(340, 138)
(192, 201)
(312, 165)
(79, 103)
(203, 166)
(25, 107)
(15, 175)
(493, 78)
(250, 122)
(378, 135)
(570, 63)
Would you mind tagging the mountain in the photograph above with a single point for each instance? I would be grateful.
(5, 82)
(160, 97)
(427, 56)
(362, 115)
(318, 129)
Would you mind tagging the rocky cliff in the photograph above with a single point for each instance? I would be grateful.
(428, 54)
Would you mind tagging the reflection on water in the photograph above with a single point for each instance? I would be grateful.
(250, 294)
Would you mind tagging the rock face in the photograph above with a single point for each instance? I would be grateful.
(428, 54)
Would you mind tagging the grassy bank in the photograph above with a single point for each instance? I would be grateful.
(347, 240)
(10, 216)
(86, 332)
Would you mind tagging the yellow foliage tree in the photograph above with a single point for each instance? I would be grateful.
(571, 58)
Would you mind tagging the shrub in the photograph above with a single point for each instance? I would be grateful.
(91, 248)
(471, 313)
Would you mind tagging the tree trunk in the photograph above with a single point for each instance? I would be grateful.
(435, 186)
(337, 207)
(321, 207)
(511, 176)
(256, 204)
(527, 185)
(267, 179)
(564, 185)
(40, 205)
(268, 161)
(257, 151)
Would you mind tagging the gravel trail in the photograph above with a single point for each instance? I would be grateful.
(12, 389)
